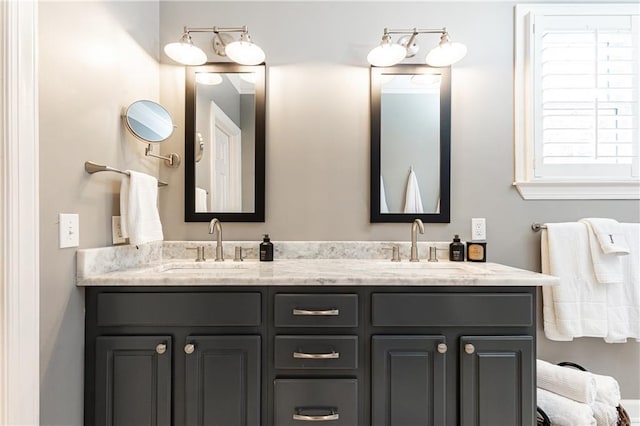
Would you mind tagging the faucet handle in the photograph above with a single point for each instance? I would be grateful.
(199, 253)
(238, 254)
(395, 253)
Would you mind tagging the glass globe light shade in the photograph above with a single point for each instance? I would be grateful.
(446, 53)
(185, 52)
(244, 51)
(386, 54)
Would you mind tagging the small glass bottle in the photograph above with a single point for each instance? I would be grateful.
(266, 249)
(456, 250)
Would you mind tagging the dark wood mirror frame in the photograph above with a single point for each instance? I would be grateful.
(190, 134)
(445, 146)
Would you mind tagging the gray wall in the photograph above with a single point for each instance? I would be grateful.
(318, 136)
(94, 59)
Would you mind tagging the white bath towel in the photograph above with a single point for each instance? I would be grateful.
(383, 198)
(412, 199)
(605, 415)
(610, 235)
(608, 391)
(571, 383)
(201, 200)
(607, 267)
(577, 306)
(623, 299)
(140, 220)
(564, 411)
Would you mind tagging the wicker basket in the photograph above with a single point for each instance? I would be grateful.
(543, 419)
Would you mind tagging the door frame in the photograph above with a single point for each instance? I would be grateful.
(221, 120)
(19, 215)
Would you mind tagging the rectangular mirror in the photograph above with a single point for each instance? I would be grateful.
(225, 143)
(410, 143)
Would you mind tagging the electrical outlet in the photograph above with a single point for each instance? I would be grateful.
(116, 231)
(69, 230)
(478, 229)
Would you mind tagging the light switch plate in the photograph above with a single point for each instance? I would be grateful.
(116, 231)
(69, 230)
(478, 229)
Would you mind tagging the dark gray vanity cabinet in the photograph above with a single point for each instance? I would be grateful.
(133, 380)
(293, 355)
(222, 380)
(173, 356)
(497, 380)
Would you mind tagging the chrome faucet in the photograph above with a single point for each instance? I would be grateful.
(417, 224)
(215, 227)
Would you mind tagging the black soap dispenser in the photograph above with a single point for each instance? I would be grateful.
(456, 250)
(266, 249)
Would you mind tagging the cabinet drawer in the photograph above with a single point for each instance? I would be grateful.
(167, 309)
(468, 309)
(316, 352)
(316, 310)
(301, 401)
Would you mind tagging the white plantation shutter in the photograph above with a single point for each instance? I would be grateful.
(577, 98)
(587, 103)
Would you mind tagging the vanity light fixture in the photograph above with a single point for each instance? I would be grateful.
(389, 53)
(242, 51)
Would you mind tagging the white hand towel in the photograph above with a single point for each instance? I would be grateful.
(609, 234)
(564, 411)
(623, 299)
(412, 200)
(383, 198)
(608, 268)
(578, 305)
(140, 220)
(575, 384)
(608, 390)
(201, 200)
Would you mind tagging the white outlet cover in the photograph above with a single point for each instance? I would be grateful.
(478, 229)
(69, 230)
(116, 231)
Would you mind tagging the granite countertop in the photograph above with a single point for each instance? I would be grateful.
(324, 263)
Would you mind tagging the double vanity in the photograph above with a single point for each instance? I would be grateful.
(330, 332)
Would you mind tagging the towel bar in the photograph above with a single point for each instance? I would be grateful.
(536, 227)
(91, 168)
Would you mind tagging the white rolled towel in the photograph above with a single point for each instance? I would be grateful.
(605, 415)
(608, 390)
(578, 385)
(564, 411)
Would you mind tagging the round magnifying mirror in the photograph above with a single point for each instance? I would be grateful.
(149, 121)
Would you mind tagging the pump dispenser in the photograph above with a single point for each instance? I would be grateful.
(266, 249)
(456, 250)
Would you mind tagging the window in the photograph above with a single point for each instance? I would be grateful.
(577, 115)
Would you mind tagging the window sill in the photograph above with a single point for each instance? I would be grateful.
(578, 190)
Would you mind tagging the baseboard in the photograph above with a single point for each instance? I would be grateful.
(632, 407)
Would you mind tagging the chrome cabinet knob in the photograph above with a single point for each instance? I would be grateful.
(189, 348)
(442, 348)
(469, 348)
(161, 348)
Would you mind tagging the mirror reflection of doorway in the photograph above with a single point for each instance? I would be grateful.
(225, 159)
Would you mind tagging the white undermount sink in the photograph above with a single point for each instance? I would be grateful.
(206, 267)
(438, 267)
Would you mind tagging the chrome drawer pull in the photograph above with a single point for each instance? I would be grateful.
(321, 418)
(327, 312)
(332, 355)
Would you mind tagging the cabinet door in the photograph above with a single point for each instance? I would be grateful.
(496, 380)
(408, 380)
(133, 380)
(222, 380)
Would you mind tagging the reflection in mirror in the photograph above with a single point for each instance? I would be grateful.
(149, 121)
(410, 143)
(225, 143)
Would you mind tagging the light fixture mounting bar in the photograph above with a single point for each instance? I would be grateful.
(214, 29)
(416, 31)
